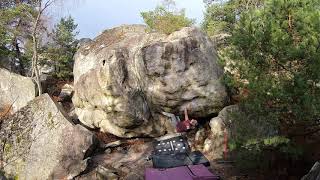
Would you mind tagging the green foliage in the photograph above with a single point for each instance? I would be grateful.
(263, 154)
(13, 22)
(276, 50)
(164, 20)
(15, 29)
(221, 17)
(4, 4)
(63, 48)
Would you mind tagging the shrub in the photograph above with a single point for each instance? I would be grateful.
(276, 50)
(166, 21)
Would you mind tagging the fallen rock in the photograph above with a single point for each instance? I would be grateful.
(66, 92)
(134, 176)
(126, 77)
(113, 144)
(73, 116)
(15, 90)
(199, 139)
(39, 142)
(127, 164)
(100, 173)
(220, 126)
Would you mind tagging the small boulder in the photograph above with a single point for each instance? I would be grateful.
(100, 173)
(39, 142)
(15, 90)
(199, 138)
(66, 92)
(220, 127)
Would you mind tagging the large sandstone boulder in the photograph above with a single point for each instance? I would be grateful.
(38, 142)
(15, 90)
(126, 77)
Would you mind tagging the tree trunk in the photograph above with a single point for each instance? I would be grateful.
(35, 38)
(18, 56)
(35, 69)
(35, 58)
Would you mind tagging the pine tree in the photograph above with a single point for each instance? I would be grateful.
(276, 48)
(221, 16)
(166, 19)
(64, 46)
(15, 30)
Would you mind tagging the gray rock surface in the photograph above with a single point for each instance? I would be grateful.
(128, 163)
(15, 90)
(314, 173)
(8, 63)
(39, 142)
(100, 173)
(126, 77)
(66, 92)
(214, 143)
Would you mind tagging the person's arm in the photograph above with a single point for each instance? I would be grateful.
(186, 117)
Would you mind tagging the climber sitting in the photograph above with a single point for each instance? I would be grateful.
(182, 126)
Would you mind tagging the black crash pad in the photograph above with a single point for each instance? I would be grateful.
(175, 152)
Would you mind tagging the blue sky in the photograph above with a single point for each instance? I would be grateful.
(94, 16)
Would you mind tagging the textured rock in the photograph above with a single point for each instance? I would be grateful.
(199, 139)
(40, 143)
(100, 173)
(126, 77)
(130, 162)
(8, 63)
(15, 90)
(314, 173)
(66, 92)
(214, 144)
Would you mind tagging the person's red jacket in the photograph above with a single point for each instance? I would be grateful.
(183, 126)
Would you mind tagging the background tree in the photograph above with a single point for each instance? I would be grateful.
(41, 6)
(63, 48)
(166, 18)
(221, 16)
(276, 50)
(15, 28)
(24, 28)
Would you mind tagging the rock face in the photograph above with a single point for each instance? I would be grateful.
(128, 161)
(126, 77)
(8, 63)
(214, 144)
(314, 173)
(15, 90)
(66, 92)
(40, 143)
